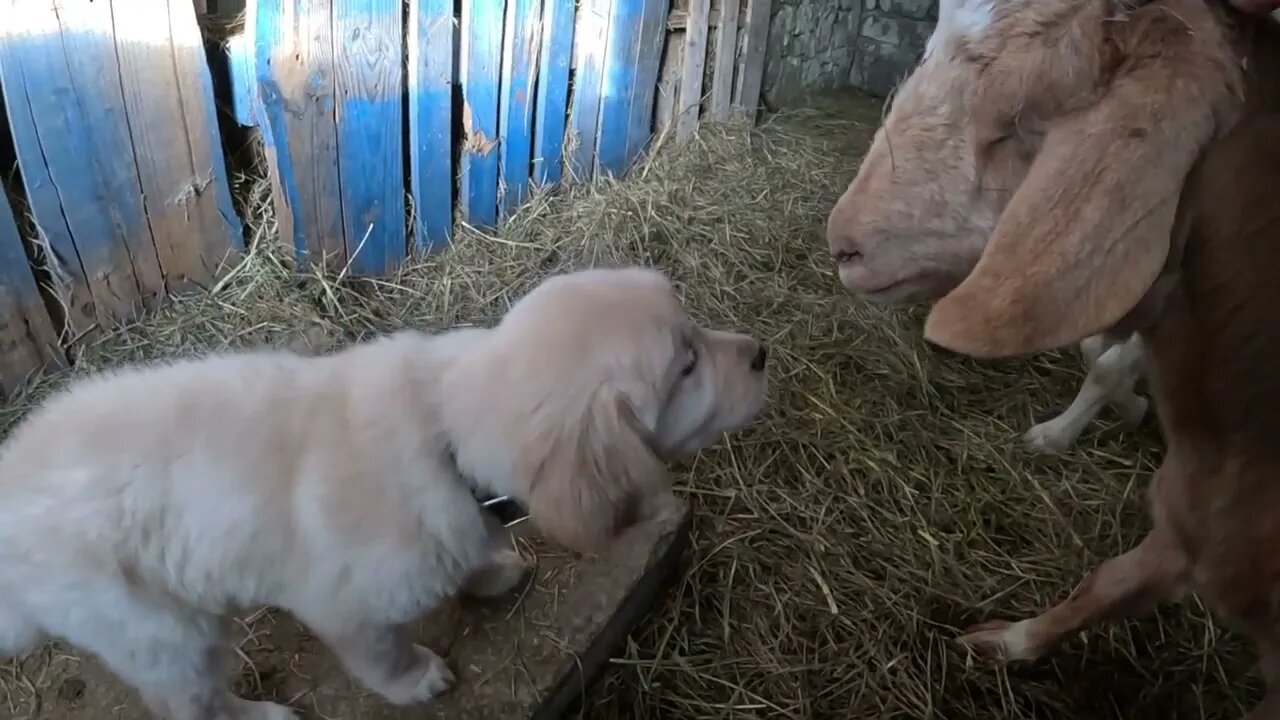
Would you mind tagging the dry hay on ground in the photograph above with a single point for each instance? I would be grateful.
(882, 503)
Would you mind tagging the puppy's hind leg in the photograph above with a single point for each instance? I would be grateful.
(17, 633)
(178, 659)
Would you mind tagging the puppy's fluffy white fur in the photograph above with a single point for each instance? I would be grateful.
(138, 508)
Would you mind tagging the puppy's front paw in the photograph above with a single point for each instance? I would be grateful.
(427, 679)
(505, 572)
(664, 509)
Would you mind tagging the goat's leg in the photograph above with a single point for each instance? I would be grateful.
(1269, 664)
(1112, 375)
(1130, 584)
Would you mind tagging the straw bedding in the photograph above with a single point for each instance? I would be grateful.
(881, 504)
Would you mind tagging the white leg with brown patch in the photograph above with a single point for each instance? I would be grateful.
(1113, 373)
(1130, 584)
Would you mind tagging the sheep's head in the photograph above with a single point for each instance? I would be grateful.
(1027, 173)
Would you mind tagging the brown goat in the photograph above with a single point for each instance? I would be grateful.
(1056, 169)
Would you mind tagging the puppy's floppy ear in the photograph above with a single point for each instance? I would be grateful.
(1088, 231)
(587, 471)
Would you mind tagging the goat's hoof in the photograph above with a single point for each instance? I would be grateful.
(1047, 438)
(1000, 640)
(1133, 413)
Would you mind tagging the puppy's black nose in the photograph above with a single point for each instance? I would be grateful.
(762, 354)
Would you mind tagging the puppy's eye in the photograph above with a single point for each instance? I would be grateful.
(690, 366)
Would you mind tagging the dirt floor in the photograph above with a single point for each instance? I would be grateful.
(883, 502)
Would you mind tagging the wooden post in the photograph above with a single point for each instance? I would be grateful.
(522, 40)
(431, 45)
(695, 58)
(553, 91)
(481, 59)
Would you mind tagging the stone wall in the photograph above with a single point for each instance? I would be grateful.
(811, 47)
(890, 41)
(817, 45)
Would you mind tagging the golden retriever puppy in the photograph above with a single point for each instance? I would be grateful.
(139, 508)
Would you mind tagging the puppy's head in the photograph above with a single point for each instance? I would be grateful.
(607, 379)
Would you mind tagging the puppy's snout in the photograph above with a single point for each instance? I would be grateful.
(758, 361)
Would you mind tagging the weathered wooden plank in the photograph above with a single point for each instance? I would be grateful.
(550, 117)
(589, 45)
(263, 26)
(431, 46)
(369, 85)
(195, 83)
(725, 61)
(28, 340)
(648, 60)
(522, 40)
(751, 64)
(244, 80)
(664, 115)
(617, 89)
(293, 62)
(695, 58)
(481, 63)
(679, 19)
(71, 135)
(168, 96)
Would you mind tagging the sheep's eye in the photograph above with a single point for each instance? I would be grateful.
(690, 366)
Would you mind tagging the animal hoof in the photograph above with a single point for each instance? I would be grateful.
(1000, 640)
(1047, 438)
(1132, 414)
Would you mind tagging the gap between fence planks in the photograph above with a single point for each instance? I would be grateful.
(28, 340)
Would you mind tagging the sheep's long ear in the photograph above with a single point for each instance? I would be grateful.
(1087, 232)
(587, 477)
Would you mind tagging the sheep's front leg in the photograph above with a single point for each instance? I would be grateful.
(1113, 372)
(1130, 584)
(1269, 664)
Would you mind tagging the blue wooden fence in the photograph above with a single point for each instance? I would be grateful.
(382, 121)
(501, 96)
(110, 113)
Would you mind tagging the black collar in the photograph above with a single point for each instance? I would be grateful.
(505, 508)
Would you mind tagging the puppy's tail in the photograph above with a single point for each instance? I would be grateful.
(17, 633)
